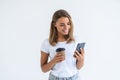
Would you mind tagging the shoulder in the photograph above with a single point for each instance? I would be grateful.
(45, 46)
(45, 41)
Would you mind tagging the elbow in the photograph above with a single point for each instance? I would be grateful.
(43, 70)
(79, 67)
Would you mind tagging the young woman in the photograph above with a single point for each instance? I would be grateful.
(62, 67)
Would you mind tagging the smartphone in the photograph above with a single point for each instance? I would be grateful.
(80, 45)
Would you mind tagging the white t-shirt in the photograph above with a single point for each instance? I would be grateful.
(66, 68)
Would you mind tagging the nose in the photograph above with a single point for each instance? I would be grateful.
(66, 26)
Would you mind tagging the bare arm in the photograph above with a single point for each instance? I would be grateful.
(80, 59)
(47, 66)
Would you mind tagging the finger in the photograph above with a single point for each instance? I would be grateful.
(82, 51)
(77, 52)
(58, 54)
(58, 60)
(77, 55)
(61, 58)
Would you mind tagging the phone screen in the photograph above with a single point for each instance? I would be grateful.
(80, 45)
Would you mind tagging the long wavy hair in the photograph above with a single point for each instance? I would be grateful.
(53, 31)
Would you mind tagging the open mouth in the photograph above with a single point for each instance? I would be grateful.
(65, 31)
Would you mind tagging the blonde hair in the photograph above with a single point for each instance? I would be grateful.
(53, 31)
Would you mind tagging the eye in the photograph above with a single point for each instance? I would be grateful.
(62, 24)
(68, 23)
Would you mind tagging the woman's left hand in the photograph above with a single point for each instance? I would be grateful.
(79, 55)
(79, 58)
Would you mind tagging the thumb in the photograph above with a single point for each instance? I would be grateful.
(82, 51)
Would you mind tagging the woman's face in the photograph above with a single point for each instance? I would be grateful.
(63, 26)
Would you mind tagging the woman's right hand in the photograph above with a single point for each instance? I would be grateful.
(58, 58)
(45, 65)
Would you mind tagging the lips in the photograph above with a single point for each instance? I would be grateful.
(65, 31)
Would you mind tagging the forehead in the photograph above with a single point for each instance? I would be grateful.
(63, 19)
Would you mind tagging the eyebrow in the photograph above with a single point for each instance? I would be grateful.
(61, 23)
(64, 23)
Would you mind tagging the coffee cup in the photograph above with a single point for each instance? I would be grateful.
(61, 51)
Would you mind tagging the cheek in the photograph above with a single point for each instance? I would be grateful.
(59, 28)
(69, 27)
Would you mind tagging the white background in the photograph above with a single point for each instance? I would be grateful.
(24, 24)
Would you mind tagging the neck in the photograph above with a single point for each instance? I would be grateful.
(61, 38)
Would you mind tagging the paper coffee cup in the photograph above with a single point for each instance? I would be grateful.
(61, 51)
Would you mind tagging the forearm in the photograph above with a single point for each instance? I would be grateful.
(79, 64)
(47, 67)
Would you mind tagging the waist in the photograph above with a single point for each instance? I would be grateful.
(74, 77)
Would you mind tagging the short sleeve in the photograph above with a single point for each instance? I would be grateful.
(45, 46)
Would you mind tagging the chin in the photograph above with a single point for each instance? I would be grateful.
(65, 34)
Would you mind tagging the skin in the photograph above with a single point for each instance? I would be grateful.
(63, 26)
